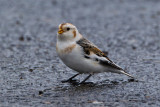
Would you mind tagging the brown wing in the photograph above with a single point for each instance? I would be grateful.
(89, 48)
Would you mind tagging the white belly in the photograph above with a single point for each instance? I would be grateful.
(76, 61)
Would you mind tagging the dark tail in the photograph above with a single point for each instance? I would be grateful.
(123, 72)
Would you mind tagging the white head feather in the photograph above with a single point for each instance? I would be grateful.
(68, 32)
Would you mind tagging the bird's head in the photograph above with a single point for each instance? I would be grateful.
(67, 32)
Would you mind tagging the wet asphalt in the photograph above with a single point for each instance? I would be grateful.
(31, 73)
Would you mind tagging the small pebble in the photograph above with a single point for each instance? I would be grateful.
(40, 93)
(21, 38)
(30, 70)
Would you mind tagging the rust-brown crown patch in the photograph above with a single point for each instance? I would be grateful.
(61, 26)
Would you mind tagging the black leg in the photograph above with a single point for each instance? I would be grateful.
(86, 78)
(70, 79)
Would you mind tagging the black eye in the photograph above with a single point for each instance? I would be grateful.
(68, 29)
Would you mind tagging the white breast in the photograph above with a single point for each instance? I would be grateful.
(76, 61)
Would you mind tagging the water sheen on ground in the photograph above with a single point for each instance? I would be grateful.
(31, 73)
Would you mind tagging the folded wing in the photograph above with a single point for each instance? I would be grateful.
(93, 53)
(90, 49)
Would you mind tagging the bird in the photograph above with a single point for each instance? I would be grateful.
(81, 55)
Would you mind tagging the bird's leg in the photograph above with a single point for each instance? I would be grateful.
(86, 78)
(70, 79)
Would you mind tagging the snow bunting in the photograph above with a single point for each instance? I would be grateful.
(81, 55)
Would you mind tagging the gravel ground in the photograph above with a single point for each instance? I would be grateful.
(31, 72)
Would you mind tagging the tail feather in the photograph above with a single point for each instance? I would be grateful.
(123, 72)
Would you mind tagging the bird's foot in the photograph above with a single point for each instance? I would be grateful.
(86, 83)
(69, 80)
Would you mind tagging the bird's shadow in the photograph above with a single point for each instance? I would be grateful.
(77, 83)
(106, 84)
(74, 87)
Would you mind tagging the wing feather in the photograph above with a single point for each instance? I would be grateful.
(89, 48)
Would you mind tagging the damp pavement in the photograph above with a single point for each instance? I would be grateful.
(31, 73)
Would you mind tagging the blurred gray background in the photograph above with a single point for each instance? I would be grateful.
(31, 72)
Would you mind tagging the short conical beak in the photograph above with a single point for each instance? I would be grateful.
(60, 31)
